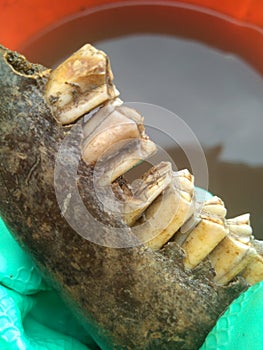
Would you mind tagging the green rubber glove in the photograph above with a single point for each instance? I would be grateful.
(240, 327)
(32, 316)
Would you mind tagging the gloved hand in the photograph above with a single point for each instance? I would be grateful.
(240, 327)
(32, 316)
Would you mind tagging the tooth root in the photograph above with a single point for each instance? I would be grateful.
(121, 158)
(203, 239)
(150, 187)
(111, 124)
(165, 216)
(79, 84)
(229, 258)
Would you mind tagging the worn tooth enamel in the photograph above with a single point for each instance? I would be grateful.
(204, 237)
(240, 228)
(253, 273)
(111, 124)
(165, 215)
(183, 180)
(121, 158)
(229, 258)
(145, 191)
(215, 206)
(79, 84)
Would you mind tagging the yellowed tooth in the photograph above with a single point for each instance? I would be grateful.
(215, 206)
(79, 84)
(184, 180)
(108, 126)
(146, 190)
(229, 258)
(253, 273)
(166, 214)
(202, 232)
(120, 158)
(240, 228)
(204, 237)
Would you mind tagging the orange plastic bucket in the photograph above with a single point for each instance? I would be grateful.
(20, 20)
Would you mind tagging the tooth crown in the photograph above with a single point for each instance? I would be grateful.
(79, 84)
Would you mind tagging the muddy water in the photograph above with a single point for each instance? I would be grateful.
(206, 69)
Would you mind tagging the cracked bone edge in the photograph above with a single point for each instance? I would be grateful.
(167, 213)
(79, 84)
(146, 190)
(253, 272)
(111, 124)
(120, 158)
(212, 213)
(229, 258)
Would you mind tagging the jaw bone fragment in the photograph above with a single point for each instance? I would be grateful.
(122, 129)
(79, 84)
(150, 282)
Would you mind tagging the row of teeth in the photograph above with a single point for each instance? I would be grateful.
(161, 206)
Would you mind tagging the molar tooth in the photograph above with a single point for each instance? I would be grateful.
(183, 180)
(150, 187)
(120, 158)
(109, 125)
(253, 273)
(240, 228)
(79, 84)
(229, 258)
(215, 206)
(165, 215)
(204, 237)
(202, 232)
